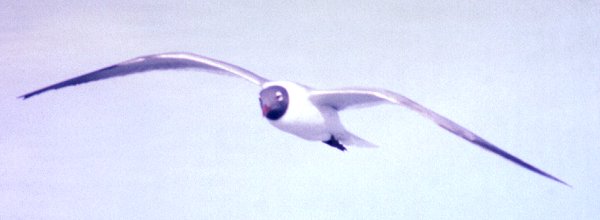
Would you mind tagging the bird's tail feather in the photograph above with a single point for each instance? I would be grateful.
(353, 140)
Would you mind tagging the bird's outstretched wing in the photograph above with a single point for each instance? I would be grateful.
(360, 97)
(162, 61)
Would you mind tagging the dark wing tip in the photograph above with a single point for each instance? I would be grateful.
(29, 95)
(488, 146)
(42, 90)
(467, 135)
(95, 75)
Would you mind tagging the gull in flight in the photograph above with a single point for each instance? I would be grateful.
(311, 114)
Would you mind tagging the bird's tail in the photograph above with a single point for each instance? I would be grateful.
(350, 139)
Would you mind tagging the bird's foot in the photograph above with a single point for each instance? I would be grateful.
(335, 143)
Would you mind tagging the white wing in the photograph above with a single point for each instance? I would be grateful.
(358, 97)
(157, 62)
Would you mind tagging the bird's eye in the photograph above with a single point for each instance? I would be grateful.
(279, 96)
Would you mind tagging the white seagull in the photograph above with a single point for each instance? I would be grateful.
(294, 108)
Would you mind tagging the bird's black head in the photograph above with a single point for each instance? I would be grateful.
(274, 102)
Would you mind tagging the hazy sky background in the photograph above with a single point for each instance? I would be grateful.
(189, 145)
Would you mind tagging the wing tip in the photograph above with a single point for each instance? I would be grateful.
(560, 181)
(490, 147)
(26, 96)
(31, 94)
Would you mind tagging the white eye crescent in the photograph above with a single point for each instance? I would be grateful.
(279, 96)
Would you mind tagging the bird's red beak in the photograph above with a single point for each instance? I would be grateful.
(265, 110)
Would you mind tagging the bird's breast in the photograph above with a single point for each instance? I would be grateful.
(304, 119)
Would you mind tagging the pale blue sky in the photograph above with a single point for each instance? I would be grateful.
(525, 75)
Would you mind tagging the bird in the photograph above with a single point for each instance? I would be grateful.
(311, 114)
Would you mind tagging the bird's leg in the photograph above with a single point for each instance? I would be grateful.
(335, 143)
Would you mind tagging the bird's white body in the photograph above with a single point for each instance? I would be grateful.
(304, 119)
